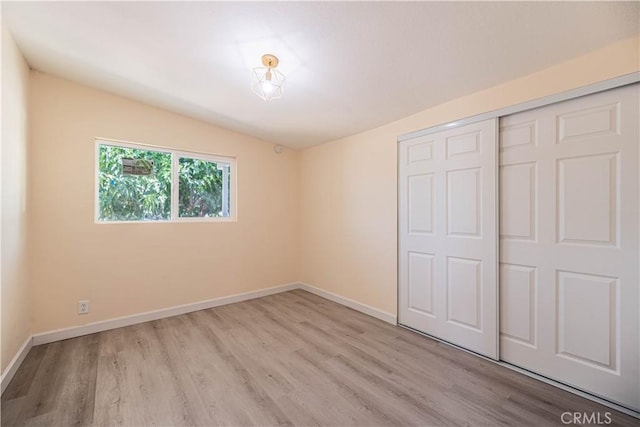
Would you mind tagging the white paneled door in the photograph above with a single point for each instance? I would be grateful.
(448, 236)
(569, 218)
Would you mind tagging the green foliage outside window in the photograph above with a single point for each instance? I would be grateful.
(200, 191)
(130, 197)
(203, 186)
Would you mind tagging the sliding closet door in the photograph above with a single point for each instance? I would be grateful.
(448, 236)
(569, 218)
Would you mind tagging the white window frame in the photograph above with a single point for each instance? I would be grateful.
(175, 156)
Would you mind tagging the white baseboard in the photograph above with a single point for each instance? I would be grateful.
(105, 325)
(15, 363)
(90, 328)
(358, 306)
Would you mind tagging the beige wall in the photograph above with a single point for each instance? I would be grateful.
(326, 215)
(348, 186)
(132, 268)
(14, 291)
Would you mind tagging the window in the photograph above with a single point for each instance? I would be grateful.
(140, 183)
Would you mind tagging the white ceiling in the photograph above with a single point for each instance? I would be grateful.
(350, 66)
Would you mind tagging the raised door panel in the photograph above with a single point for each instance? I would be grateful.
(518, 303)
(419, 151)
(588, 188)
(421, 282)
(518, 201)
(518, 135)
(583, 124)
(464, 292)
(464, 198)
(420, 203)
(586, 315)
(466, 143)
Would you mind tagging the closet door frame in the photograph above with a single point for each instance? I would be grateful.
(624, 80)
(617, 82)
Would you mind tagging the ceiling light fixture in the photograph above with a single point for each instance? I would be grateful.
(266, 81)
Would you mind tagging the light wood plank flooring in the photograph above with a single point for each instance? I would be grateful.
(287, 359)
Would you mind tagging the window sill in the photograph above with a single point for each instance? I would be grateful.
(170, 221)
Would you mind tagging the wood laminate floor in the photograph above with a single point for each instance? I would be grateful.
(287, 359)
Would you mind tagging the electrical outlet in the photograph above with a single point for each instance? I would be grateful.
(83, 307)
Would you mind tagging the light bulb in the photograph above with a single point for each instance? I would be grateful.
(267, 87)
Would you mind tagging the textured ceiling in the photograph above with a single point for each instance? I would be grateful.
(350, 66)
